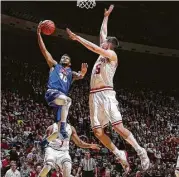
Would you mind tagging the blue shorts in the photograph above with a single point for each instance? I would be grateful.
(51, 95)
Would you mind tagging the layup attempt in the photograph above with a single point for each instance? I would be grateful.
(57, 151)
(102, 101)
(60, 80)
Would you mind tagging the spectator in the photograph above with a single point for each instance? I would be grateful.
(13, 172)
(6, 161)
(5, 164)
(13, 154)
(25, 170)
(56, 173)
(150, 114)
(88, 166)
(4, 144)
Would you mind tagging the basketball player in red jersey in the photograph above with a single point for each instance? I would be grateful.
(102, 101)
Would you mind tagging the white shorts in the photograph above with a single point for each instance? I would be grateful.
(56, 157)
(104, 109)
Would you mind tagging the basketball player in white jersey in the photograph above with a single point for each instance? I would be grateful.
(102, 101)
(57, 151)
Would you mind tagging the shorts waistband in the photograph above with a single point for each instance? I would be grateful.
(55, 90)
(101, 89)
(52, 90)
(58, 149)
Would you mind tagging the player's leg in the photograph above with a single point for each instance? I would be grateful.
(116, 120)
(45, 170)
(66, 169)
(62, 104)
(62, 113)
(64, 161)
(98, 121)
(128, 136)
(48, 162)
(106, 141)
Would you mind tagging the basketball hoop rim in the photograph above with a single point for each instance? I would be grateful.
(86, 4)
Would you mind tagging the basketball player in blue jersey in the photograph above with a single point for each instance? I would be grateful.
(59, 82)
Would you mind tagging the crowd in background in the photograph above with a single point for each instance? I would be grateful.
(151, 115)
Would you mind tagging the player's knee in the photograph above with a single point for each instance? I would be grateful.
(67, 169)
(98, 132)
(69, 101)
(118, 127)
(50, 163)
(48, 166)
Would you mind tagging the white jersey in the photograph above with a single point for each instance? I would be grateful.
(177, 166)
(59, 144)
(102, 73)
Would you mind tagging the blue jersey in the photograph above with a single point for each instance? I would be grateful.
(60, 79)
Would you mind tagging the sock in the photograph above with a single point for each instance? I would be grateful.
(63, 124)
(116, 152)
(58, 115)
(132, 141)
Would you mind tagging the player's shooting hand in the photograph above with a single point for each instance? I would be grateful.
(84, 68)
(95, 147)
(71, 34)
(108, 12)
(39, 28)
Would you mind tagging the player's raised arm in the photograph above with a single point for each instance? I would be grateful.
(81, 143)
(82, 73)
(104, 29)
(50, 61)
(93, 47)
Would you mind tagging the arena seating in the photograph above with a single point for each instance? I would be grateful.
(151, 115)
(146, 86)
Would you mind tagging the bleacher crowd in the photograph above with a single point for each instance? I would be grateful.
(151, 115)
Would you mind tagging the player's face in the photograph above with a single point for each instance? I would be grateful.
(65, 60)
(105, 45)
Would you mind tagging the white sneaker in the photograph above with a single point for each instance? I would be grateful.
(145, 162)
(122, 158)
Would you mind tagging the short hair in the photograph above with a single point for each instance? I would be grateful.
(13, 163)
(87, 152)
(114, 41)
(66, 55)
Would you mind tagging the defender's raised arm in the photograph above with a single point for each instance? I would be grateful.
(104, 29)
(93, 47)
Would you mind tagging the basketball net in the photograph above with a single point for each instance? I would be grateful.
(86, 3)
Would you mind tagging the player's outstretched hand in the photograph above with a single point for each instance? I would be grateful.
(95, 147)
(108, 12)
(39, 28)
(84, 68)
(71, 34)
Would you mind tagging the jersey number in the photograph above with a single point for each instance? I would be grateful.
(63, 77)
(98, 68)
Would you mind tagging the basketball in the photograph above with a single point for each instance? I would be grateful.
(48, 27)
